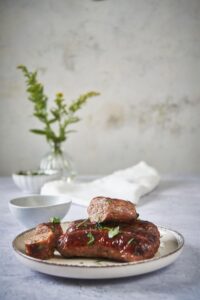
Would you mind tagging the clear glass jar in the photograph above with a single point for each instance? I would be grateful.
(60, 161)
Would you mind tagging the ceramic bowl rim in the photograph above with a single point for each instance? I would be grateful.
(14, 205)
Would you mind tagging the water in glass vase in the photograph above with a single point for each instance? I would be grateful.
(60, 161)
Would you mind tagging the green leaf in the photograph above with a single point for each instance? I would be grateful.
(55, 113)
(50, 134)
(71, 120)
(132, 240)
(38, 131)
(55, 220)
(113, 232)
(91, 238)
(52, 121)
(77, 104)
(41, 116)
(81, 223)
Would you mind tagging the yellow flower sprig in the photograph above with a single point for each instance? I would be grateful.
(57, 119)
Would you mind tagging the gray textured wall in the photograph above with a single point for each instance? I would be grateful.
(142, 55)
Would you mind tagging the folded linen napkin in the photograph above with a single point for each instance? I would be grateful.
(128, 184)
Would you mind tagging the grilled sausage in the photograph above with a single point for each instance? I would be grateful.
(124, 242)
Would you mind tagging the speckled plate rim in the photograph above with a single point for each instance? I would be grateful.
(179, 238)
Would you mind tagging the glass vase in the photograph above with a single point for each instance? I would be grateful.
(58, 160)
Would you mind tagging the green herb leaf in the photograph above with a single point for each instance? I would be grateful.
(113, 232)
(130, 241)
(91, 238)
(81, 223)
(31, 173)
(38, 131)
(55, 220)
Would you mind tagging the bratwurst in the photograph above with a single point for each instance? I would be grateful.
(121, 242)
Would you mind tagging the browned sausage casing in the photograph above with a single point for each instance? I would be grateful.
(133, 242)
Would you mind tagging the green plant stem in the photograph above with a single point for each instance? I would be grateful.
(56, 148)
(57, 119)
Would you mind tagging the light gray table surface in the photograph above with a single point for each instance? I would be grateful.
(174, 204)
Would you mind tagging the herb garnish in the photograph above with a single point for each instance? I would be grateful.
(130, 241)
(113, 232)
(91, 238)
(55, 220)
(31, 173)
(81, 223)
(99, 226)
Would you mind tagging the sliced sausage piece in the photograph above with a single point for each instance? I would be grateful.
(43, 243)
(55, 228)
(102, 209)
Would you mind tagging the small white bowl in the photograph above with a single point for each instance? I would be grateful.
(30, 183)
(33, 210)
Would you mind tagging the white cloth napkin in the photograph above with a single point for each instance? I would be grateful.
(128, 184)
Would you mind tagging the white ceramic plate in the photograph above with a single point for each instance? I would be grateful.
(170, 248)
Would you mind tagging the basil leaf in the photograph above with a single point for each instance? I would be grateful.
(91, 238)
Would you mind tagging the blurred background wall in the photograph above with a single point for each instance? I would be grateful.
(142, 55)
